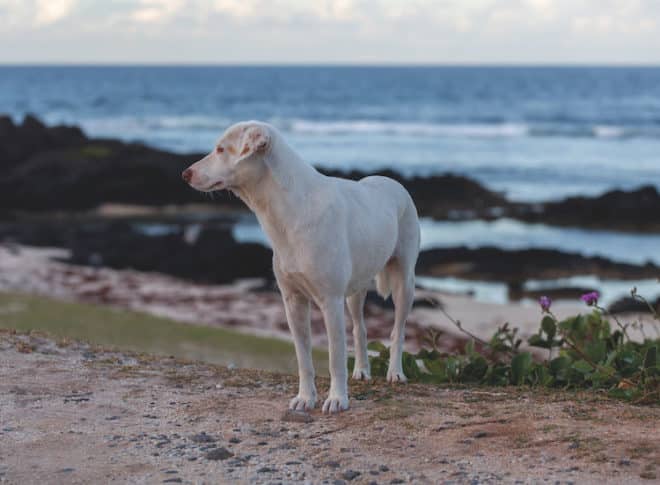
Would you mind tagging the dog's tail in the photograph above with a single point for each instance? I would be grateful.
(383, 284)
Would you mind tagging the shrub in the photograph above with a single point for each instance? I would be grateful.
(584, 351)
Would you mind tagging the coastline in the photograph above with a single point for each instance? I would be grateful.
(87, 172)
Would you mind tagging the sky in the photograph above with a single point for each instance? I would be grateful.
(330, 31)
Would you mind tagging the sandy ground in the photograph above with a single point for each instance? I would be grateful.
(244, 307)
(71, 413)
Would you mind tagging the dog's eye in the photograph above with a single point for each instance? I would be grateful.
(219, 149)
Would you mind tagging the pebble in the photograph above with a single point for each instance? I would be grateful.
(292, 416)
(219, 454)
(203, 438)
(350, 475)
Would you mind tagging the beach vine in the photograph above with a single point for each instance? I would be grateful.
(583, 352)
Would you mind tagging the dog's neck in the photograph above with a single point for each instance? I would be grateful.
(280, 196)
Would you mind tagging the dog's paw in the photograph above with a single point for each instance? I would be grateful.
(395, 376)
(335, 404)
(361, 374)
(299, 403)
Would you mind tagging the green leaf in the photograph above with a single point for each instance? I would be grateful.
(651, 357)
(520, 367)
(549, 326)
(410, 367)
(376, 346)
(452, 368)
(582, 366)
(559, 367)
(537, 341)
(497, 375)
(596, 350)
(475, 370)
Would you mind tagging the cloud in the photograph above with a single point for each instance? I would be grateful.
(150, 11)
(333, 30)
(51, 11)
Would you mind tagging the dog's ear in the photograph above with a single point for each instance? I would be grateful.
(256, 139)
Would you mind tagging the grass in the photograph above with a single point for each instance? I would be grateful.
(130, 330)
(94, 151)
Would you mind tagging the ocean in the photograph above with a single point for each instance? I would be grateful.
(534, 133)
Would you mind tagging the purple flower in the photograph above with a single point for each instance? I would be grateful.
(545, 302)
(590, 298)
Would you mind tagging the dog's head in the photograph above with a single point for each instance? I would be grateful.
(236, 160)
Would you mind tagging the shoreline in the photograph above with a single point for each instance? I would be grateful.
(250, 307)
(88, 172)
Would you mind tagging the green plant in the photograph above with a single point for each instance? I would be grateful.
(583, 352)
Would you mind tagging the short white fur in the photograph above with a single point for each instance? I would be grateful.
(331, 239)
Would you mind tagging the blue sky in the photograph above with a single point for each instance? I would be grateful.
(330, 31)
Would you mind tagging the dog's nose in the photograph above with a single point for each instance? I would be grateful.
(187, 175)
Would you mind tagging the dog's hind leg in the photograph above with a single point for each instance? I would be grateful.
(403, 293)
(298, 316)
(355, 304)
(401, 274)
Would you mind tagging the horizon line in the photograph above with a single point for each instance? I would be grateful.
(339, 64)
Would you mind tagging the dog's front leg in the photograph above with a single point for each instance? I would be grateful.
(333, 314)
(298, 317)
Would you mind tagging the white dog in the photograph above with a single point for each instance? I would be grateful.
(331, 238)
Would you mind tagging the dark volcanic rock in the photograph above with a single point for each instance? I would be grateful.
(211, 256)
(517, 292)
(636, 210)
(445, 196)
(58, 168)
(214, 257)
(494, 264)
(19, 142)
(628, 304)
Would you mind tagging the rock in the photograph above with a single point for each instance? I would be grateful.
(219, 454)
(628, 304)
(203, 438)
(384, 468)
(266, 469)
(635, 210)
(514, 266)
(293, 416)
(350, 475)
(124, 244)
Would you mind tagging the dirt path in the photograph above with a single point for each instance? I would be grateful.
(71, 413)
